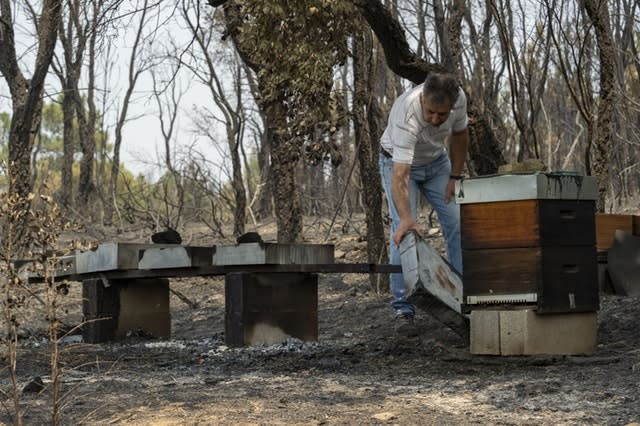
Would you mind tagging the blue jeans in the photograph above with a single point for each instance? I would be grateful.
(431, 181)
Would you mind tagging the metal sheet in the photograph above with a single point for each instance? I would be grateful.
(509, 187)
(423, 265)
(175, 257)
(112, 256)
(268, 253)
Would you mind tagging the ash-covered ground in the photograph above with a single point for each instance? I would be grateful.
(358, 372)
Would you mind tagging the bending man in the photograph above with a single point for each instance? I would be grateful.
(414, 159)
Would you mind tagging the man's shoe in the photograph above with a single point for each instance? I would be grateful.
(404, 325)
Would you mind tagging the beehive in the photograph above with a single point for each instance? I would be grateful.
(529, 239)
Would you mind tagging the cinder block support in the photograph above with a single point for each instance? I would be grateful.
(139, 307)
(523, 332)
(268, 308)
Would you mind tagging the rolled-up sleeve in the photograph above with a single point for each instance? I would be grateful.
(459, 113)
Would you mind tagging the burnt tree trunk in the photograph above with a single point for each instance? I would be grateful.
(26, 95)
(240, 196)
(284, 162)
(599, 15)
(367, 120)
(26, 98)
(68, 143)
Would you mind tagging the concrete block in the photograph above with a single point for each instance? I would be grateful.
(524, 332)
(485, 332)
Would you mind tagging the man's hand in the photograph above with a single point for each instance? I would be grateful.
(403, 227)
(450, 192)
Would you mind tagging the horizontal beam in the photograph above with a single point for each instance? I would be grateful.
(215, 270)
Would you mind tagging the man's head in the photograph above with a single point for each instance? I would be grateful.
(439, 94)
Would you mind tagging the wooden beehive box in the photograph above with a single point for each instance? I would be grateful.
(529, 239)
(607, 224)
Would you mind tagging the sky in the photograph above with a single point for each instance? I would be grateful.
(143, 143)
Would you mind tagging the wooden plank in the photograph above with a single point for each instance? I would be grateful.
(213, 270)
(500, 224)
(502, 271)
(527, 223)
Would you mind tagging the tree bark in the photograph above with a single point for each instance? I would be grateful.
(26, 100)
(284, 162)
(599, 15)
(26, 95)
(368, 130)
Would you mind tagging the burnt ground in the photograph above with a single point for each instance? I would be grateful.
(358, 372)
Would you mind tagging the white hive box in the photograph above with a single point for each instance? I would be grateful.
(532, 186)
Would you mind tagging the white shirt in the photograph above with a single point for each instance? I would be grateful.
(410, 139)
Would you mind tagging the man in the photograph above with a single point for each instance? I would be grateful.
(414, 158)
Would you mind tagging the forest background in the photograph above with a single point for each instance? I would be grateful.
(272, 110)
(296, 97)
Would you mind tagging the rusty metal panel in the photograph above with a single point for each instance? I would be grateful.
(423, 265)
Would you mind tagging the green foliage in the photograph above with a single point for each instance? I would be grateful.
(296, 45)
(51, 130)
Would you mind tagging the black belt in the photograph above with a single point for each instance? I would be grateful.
(385, 153)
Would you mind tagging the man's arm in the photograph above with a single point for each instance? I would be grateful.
(458, 145)
(400, 195)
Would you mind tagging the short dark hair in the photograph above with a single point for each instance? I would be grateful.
(441, 88)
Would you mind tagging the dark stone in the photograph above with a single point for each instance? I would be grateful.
(170, 236)
(250, 237)
(36, 385)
